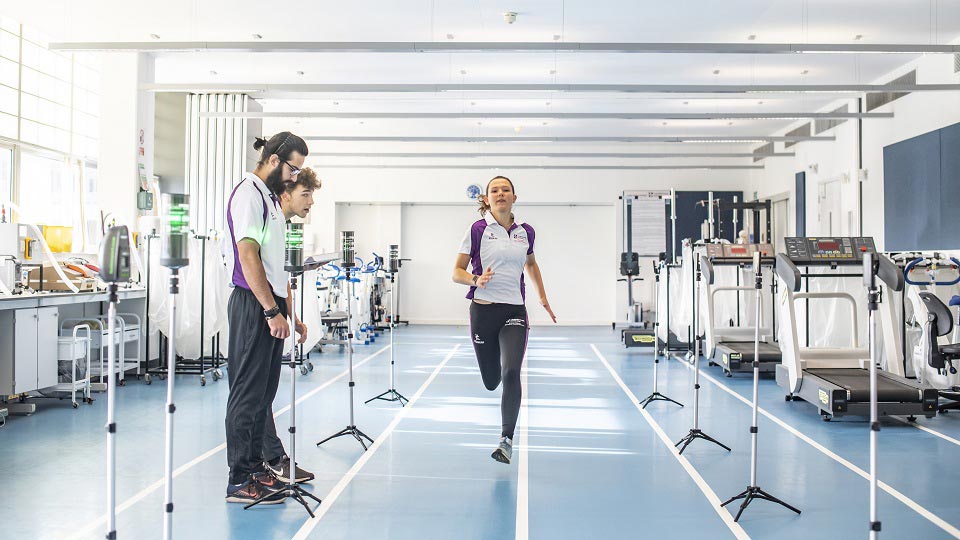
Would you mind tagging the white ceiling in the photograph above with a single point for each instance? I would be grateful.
(781, 21)
(879, 21)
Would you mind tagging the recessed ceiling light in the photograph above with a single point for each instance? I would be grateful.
(155, 36)
(257, 36)
(716, 72)
(751, 37)
(450, 36)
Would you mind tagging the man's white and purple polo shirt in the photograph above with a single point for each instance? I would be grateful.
(254, 212)
(491, 246)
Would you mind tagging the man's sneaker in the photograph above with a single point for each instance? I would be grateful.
(282, 471)
(250, 491)
(268, 481)
(504, 451)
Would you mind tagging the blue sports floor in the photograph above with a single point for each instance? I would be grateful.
(588, 462)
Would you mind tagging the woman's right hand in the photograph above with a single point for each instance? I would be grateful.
(485, 278)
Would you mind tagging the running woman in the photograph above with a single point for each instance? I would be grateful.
(498, 317)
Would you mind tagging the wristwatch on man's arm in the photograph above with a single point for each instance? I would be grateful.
(475, 278)
(271, 313)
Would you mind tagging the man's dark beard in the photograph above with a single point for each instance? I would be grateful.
(275, 181)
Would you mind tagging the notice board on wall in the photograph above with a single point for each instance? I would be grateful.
(648, 231)
(921, 192)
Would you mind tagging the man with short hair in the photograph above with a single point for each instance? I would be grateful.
(296, 200)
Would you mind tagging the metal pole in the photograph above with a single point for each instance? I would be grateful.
(710, 215)
(756, 375)
(673, 226)
(293, 379)
(350, 340)
(171, 408)
(111, 424)
(872, 301)
(393, 326)
(696, 348)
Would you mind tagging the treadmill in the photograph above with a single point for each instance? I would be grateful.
(837, 380)
(731, 346)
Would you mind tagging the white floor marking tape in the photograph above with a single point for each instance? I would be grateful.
(910, 503)
(523, 462)
(734, 527)
(143, 493)
(338, 489)
(928, 430)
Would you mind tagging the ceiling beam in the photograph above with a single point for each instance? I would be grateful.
(606, 155)
(550, 167)
(550, 46)
(625, 139)
(559, 115)
(208, 87)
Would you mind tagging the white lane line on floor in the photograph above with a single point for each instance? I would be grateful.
(910, 503)
(143, 493)
(928, 430)
(711, 496)
(523, 461)
(338, 489)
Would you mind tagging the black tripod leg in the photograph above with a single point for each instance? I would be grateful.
(334, 436)
(714, 441)
(766, 496)
(362, 434)
(377, 397)
(685, 441)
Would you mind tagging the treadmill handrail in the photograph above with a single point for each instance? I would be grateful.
(706, 267)
(836, 296)
(788, 272)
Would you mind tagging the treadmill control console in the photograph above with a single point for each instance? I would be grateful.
(738, 251)
(834, 250)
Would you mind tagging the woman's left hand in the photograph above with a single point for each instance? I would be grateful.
(546, 306)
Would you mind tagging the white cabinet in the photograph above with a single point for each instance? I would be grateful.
(28, 349)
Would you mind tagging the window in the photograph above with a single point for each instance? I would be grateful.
(49, 130)
(91, 211)
(49, 192)
(6, 176)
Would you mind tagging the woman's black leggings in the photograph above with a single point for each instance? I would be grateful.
(499, 335)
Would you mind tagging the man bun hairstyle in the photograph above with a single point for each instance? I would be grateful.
(283, 144)
(482, 199)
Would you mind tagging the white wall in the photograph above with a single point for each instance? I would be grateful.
(124, 112)
(533, 186)
(914, 114)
